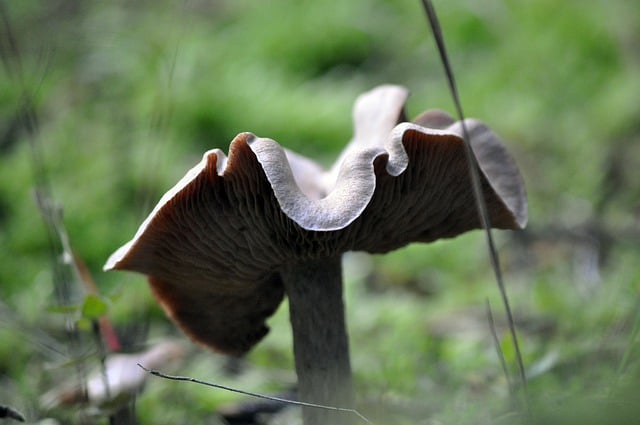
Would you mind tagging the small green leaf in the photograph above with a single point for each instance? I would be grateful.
(94, 307)
(83, 324)
(508, 349)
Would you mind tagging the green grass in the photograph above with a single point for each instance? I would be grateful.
(129, 95)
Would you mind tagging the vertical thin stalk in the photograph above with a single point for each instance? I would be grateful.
(320, 341)
(474, 173)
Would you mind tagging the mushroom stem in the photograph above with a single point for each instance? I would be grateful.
(320, 342)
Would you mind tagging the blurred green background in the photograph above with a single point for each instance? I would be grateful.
(129, 94)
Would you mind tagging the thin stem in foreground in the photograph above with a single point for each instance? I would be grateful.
(252, 394)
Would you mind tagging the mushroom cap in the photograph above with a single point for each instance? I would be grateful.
(214, 244)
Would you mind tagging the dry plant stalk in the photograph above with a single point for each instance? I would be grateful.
(481, 203)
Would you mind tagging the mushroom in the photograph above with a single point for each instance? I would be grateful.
(234, 235)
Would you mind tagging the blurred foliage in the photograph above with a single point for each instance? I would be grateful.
(129, 94)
